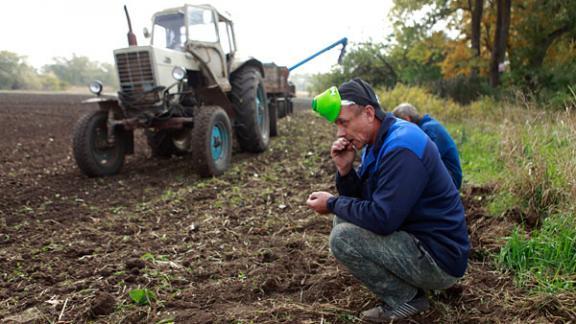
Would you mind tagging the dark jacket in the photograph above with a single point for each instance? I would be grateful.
(446, 147)
(402, 184)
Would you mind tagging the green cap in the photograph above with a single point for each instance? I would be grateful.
(328, 104)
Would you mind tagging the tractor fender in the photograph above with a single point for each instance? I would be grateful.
(239, 64)
(105, 103)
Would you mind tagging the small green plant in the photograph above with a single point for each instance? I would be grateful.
(169, 195)
(242, 276)
(148, 257)
(142, 296)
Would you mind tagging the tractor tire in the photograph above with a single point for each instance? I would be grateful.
(161, 144)
(252, 124)
(211, 141)
(93, 154)
(273, 111)
(282, 108)
(289, 106)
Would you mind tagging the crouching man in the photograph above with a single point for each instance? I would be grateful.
(399, 224)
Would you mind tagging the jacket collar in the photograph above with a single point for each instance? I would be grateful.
(426, 118)
(387, 122)
(372, 151)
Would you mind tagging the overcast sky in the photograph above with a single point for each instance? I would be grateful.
(283, 32)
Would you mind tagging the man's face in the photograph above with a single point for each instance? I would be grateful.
(355, 124)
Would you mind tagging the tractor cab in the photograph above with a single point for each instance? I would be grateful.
(199, 30)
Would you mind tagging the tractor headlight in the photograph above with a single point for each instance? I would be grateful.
(178, 73)
(95, 87)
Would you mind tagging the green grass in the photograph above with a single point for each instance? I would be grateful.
(478, 146)
(546, 258)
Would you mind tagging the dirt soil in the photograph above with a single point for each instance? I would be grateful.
(239, 248)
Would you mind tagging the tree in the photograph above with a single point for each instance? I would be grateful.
(367, 61)
(80, 71)
(15, 73)
(9, 65)
(539, 29)
(452, 56)
(476, 31)
(500, 40)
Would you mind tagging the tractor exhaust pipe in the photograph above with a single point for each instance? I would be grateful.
(131, 37)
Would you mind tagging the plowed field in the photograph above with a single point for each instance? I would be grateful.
(239, 248)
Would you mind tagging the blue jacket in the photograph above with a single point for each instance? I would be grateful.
(446, 147)
(402, 184)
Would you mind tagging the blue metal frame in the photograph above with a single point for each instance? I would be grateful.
(343, 41)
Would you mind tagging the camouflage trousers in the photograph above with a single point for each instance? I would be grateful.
(392, 266)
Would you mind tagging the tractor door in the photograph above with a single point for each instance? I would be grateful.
(204, 44)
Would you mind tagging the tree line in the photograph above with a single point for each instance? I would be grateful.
(17, 74)
(466, 48)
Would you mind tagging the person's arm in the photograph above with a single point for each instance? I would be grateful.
(349, 185)
(401, 181)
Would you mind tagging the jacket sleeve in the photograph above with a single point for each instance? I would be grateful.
(349, 185)
(400, 183)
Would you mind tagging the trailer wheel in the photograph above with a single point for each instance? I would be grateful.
(289, 106)
(282, 108)
(252, 122)
(93, 154)
(161, 144)
(273, 110)
(211, 141)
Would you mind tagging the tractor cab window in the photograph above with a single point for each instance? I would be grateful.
(169, 31)
(201, 25)
(226, 37)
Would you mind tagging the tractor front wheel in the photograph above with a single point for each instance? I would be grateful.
(94, 155)
(211, 141)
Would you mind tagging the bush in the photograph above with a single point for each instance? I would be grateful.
(462, 89)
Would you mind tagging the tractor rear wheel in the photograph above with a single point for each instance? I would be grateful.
(252, 122)
(94, 155)
(211, 141)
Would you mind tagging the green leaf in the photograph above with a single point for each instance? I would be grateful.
(148, 257)
(142, 296)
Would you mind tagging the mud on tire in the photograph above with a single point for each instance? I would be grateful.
(252, 124)
(93, 155)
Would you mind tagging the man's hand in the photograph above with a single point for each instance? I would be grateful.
(319, 202)
(343, 155)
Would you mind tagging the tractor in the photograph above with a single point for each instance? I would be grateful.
(189, 90)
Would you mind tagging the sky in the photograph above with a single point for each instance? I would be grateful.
(284, 32)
